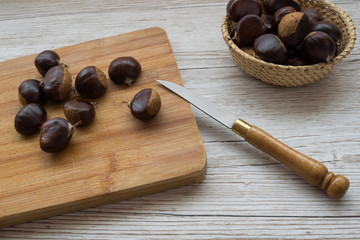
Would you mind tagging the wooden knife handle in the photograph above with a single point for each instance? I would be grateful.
(312, 171)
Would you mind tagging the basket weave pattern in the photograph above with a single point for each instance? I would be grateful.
(292, 76)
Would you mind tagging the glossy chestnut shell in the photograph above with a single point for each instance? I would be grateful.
(30, 119)
(269, 48)
(248, 29)
(46, 60)
(30, 91)
(278, 15)
(318, 47)
(236, 9)
(79, 112)
(91, 82)
(146, 104)
(55, 135)
(124, 70)
(57, 83)
(293, 27)
(329, 28)
(273, 5)
(295, 61)
(314, 16)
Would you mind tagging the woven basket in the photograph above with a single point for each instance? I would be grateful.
(292, 76)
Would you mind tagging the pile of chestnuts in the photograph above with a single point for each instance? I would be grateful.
(282, 32)
(90, 83)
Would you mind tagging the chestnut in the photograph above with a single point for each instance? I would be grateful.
(46, 60)
(248, 29)
(79, 112)
(294, 51)
(278, 15)
(29, 119)
(273, 5)
(269, 48)
(55, 135)
(91, 82)
(57, 83)
(30, 91)
(146, 104)
(124, 70)
(266, 18)
(329, 28)
(295, 61)
(236, 9)
(293, 27)
(314, 16)
(318, 47)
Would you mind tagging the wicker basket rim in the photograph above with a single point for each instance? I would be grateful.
(348, 23)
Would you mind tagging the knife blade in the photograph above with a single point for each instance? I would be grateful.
(312, 171)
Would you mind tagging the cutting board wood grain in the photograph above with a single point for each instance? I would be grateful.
(117, 157)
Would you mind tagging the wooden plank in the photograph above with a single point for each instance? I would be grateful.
(117, 156)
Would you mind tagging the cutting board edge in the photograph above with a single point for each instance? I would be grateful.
(52, 211)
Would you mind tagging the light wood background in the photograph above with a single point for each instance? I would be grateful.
(245, 193)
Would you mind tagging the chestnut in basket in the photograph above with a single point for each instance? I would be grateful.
(329, 28)
(55, 135)
(146, 104)
(295, 61)
(236, 9)
(314, 16)
(266, 18)
(293, 27)
(29, 119)
(273, 5)
(79, 112)
(46, 60)
(57, 83)
(91, 82)
(124, 70)
(30, 91)
(318, 47)
(269, 48)
(248, 29)
(278, 15)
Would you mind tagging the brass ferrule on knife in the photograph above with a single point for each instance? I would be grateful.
(241, 127)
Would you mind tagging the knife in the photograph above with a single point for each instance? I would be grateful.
(312, 171)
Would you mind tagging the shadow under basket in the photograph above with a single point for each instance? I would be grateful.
(293, 76)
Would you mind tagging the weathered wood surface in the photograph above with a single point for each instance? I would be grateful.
(245, 194)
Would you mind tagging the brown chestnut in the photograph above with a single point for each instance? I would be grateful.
(146, 104)
(29, 119)
(269, 48)
(314, 16)
(278, 15)
(293, 27)
(295, 61)
(57, 83)
(266, 18)
(91, 82)
(30, 91)
(124, 70)
(318, 47)
(55, 135)
(248, 29)
(46, 60)
(273, 5)
(236, 9)
(329, 28)
(79, 112)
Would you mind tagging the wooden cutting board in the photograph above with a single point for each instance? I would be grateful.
(117, 157)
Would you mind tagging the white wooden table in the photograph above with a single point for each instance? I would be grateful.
(245, 194)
